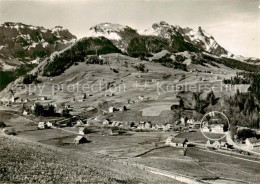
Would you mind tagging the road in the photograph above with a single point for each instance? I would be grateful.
(231, 142)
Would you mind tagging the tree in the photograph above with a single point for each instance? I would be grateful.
(245, 133)
(65, 113)
(2, 124)
(39, 110)
(211, 98)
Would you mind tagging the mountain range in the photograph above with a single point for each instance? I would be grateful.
(26, 46)
(21, 43)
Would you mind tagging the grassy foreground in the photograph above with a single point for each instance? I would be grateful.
(30, 162)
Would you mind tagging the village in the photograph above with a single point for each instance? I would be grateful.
(86, 126)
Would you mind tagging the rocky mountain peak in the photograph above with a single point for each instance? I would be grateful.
(25, 43)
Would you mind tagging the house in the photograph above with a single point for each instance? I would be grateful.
(80, 139)
(252, 143)
(25, 113)
(79, 123)
(141, 125)
(217, 128)
(182, 121)
(167, 126)
(147, 125)
(111, 109)
(205, 129)
(81, 131)
(190, 121)
(106, 122)
(158, 127)
(42, 125)
(122, 108)
(12, 99)
(224, 144)
(49, 124)
(43, 98)
(33, 107)
(196, 125)
(176, 142)
(213, 144)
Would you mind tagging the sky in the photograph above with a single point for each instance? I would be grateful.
(235, 24)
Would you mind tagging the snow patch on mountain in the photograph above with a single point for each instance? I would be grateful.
(162, 29)
(107, 30)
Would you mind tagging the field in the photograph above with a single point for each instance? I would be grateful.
(29, 162)
(202, 164)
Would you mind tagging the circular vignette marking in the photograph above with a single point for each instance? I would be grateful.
(201, 125)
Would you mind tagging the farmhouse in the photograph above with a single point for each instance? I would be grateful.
(213, 144)
(25, 113)
(205, 129)
(122, 108)
(141, 125)
(106, 122)
(79, 123)
(111, 109)
(196, 125)
(79, 140)
(49, 124)
(42, 125)
(190, 121)
(167, 126)
(43, 98)
(81, 131)
(217, 128)
(147, 125)
(252, 143)
(176, 142)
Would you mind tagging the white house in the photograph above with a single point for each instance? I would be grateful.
(106, 122)
(213, 144)
(217, 128)
(81, 131)
(167, 126)
(79, 140)
(43, 98)
(176, 142)
(111, 109)
(25, 113)
(79, 123)
(190, 121)
(49, 124)
(33, 107)
(251, 143)
(205, 129)
(41, 125)
(182, 121)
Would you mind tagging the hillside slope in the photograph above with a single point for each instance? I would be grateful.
(25, 161)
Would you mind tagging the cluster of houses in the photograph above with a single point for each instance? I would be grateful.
(252, 143)
(44, 125)
(183, 143)
(213, 128)
(176, 142)
(191, 125)
(142, 125)
(112, 109)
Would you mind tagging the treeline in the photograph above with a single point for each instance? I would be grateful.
(78, 53)
(49, 110)
(7, 77)
(236, 80)
(245, 107)
(144, 46)
(168, 62)
(233, 63)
